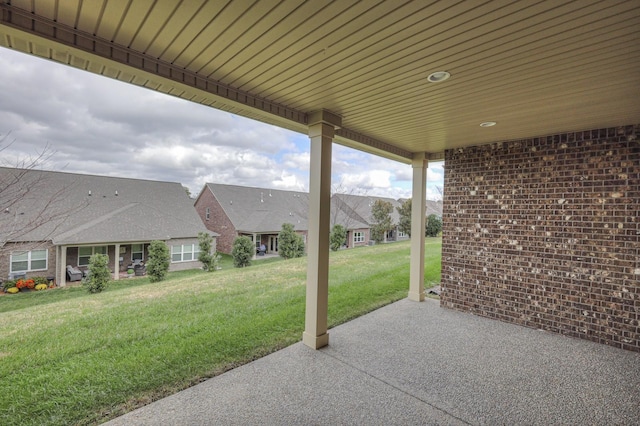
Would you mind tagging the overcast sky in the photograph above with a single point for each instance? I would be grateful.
(96, 125)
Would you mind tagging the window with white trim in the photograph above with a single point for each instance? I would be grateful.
(358, 237)
(137, 252)
(185, 252)
(207, 213)
(84, 253)
(25, 261)
(401, 234)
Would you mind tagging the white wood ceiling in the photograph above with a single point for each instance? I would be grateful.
(534, 67)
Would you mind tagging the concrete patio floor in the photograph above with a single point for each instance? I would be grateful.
(416, 363)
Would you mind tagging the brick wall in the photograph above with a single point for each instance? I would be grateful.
(218, 220)
(545, 233)
(5, 258)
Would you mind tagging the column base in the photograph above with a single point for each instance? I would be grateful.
(416, 297)
(315, 342)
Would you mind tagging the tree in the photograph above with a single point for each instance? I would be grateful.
(23, 212)
(209, 260)
(99, 274)
(290, 244)
(381, 212)
(158, 264)
(338, 237)
(405, 217)
(434, 225)
(242, 252)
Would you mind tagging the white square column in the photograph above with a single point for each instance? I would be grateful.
(62, 265)
(418, 212)
(116, 263)
(322, 125)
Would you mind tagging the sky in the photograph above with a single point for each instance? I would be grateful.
(92, 124)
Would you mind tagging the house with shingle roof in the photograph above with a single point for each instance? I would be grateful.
(258, 213)
(54, 219)
(359, 207)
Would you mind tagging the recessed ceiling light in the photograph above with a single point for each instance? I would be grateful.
(438, 76)
(488, 124)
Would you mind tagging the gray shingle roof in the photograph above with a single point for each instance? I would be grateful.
(360, 206)
(262, 210)
(87, 209)
(434, 207)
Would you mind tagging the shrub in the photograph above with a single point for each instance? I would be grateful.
(9, 284)
(158, 264)
(337, 237)
(12, 290)
(41, 286)
(209, 260)
(242, 252)
(40, 280)
(290, 244)
(99, 274)
(433, 226)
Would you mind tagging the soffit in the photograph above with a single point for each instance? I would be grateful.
(535, 67)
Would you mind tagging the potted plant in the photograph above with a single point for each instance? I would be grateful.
(130, 272)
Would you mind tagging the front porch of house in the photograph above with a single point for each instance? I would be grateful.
(123, 257)
(415, 363)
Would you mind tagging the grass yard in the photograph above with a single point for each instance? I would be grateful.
(70, 357)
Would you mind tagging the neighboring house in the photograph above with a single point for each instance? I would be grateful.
(358, 207)
(358, 230)
(55, 219)
(232, 211)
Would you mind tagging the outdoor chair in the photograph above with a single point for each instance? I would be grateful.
(139, 269)
(73, 274)
(262, 250)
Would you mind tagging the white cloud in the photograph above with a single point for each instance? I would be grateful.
(101, 126)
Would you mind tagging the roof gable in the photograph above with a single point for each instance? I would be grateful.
(253, 209)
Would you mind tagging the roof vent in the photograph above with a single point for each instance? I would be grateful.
(116, 192)
(89, 193)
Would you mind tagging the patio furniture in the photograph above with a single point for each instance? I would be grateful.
(73, 274)
(262, 250)
(139, 269)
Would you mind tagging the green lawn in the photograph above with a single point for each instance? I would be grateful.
(69, 357)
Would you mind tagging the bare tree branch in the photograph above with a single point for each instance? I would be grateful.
(27, 203)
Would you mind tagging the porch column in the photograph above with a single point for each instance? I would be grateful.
(418, 211)
(322, 125)
(116, 263)
(62, 271)
(254, 257)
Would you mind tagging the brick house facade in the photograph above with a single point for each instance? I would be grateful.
(232, 211)
(545, 233)
(216, 220)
